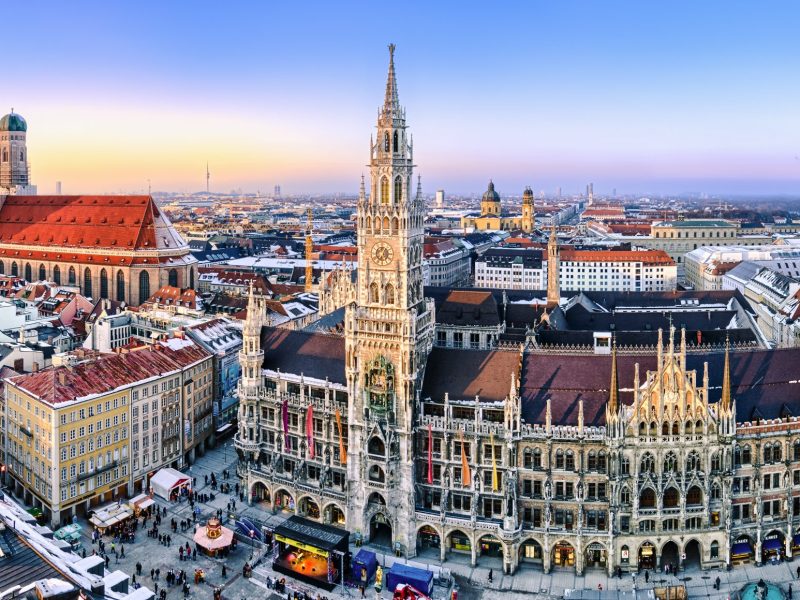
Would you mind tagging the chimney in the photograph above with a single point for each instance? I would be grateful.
(62, 377)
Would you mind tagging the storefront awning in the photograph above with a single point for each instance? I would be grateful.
(741, 549)
(773, 544)
(796, 540)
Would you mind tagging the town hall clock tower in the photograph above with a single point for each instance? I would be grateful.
(389, 333)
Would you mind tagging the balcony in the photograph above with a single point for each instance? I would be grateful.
(245, 445)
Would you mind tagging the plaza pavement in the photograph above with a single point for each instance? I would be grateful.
(471, 582)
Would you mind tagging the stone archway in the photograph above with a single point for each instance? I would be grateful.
(429, 541)
(284, 500)
(458, 541)
(380, 530)
(563, 555)
(596, 556)
(333, 514)
(694, 555)
(259, 492)
(531, 553)
(647, 556)
(309, 508)
(670, 555)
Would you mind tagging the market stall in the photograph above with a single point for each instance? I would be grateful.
(311, 552)
(364, 565)
(110, 516)
(168, 482)
(141, 503)
(213, 539)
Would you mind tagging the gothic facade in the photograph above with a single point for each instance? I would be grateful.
(532, 458)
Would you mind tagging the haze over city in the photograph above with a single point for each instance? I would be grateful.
(638, 97)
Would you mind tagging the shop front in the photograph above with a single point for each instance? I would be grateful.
(596, 556)
(773, 548)
(563, 555)
(742, 550)
(647, 556)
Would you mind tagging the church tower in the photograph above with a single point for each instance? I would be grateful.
(14, 170)
(553, 271)
(389, 332)
(490, 202)
(527, 210)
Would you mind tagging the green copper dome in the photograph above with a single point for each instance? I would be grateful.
(490, 195)
(13, 122)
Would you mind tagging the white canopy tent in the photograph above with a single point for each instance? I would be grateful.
(168, 480)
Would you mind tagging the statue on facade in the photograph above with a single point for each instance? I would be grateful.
(548, 490)
(511, 495)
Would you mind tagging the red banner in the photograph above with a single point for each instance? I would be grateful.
(310, 430)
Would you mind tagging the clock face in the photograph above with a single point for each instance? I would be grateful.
(382, 254)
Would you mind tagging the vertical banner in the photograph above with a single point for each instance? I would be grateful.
(430, 453)
(285, 410)
(495, 487)
(342, 449)
(310, 430)
(466, 474)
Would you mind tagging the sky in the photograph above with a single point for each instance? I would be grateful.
(644, 97)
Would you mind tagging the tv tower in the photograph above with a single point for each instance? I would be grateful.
(208, 179)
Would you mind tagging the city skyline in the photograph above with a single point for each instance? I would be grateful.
(641, 99)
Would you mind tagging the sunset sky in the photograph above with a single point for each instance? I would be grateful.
(641, 96)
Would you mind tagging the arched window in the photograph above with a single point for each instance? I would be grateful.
(625, 496)
(559, 459)
(395, 225)
(103, 284)
(715, 492)
(698, 428)
(670, 463)
(389, 293)
(653, 428)
(173, 277)
(144, 286)
(647, 499)
(694, 496)
(693, 462)
(373, 292)
(601, 462)
(648, 464)
(386, 141)
(671, 497)
(398, 189)
(665, 428)
(42, 273)
(384, 190)
(716, 462)
(570, 462)
(57, 274)
(71, 276)
(386, 225)
(675, 428)
(120, 286)
(2, 267)
(369, 224)
(592, 461)
(5, 155)
(714, 549)
(87, 282)
(626, 466)
(537, 458)
(796, 447)
(395, 145)
(28, 273)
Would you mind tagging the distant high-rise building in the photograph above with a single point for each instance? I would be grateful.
(590, 192)
(277, 191)
(58, 188)
(559, 191)
(439, 198)
(14, 168)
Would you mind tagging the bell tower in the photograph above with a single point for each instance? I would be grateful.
(14, 169)
(389, 332)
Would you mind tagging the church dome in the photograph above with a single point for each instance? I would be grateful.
(528, 193)
(490, 195)
(13, 122)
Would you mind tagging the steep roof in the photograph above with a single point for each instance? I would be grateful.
(108, 222)
(57, 385)
(464, 307)
(305, 353)
(464, 374)
(763, 380)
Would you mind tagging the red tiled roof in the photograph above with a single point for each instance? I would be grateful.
(64, 384)
(109, 222)
(658, 257)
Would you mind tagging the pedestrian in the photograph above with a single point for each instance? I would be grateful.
(152, 573)
(180, 553)
(790, 591)
(491, 576)
(138, 568)
(647, 576)
(133, 578)
(224, 571)
(158, 573)
(122, 551)
(107, 561)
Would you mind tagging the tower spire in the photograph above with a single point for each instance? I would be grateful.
(725, 401)
(391, 103)
(613, 391)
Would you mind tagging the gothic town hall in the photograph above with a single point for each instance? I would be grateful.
(636, 458)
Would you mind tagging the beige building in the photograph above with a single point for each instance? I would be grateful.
(72, 440)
